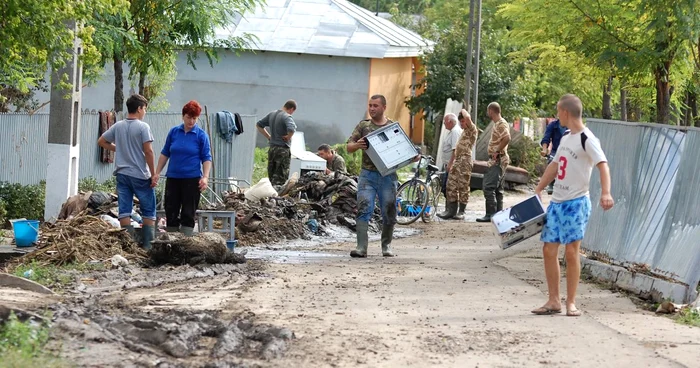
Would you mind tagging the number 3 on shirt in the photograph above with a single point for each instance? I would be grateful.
(562, 168)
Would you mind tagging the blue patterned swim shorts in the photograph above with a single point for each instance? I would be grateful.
(566, 221)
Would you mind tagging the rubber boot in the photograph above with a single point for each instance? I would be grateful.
(147, 234)
(460, 212)
(362, 240)
(387, 236)
(499, 203)
(172, 229)
(130, 231)
(450, 211)
(490, 210)
(188, 231)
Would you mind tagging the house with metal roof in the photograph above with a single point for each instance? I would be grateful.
(328, 55)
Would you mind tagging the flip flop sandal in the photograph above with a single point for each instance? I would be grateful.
(573, 313)
(545, 311)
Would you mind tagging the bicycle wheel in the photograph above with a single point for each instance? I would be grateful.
(435, 196)
(410, 201)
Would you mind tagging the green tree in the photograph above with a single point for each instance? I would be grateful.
(35, 38)
(151, 35)
(628, 39)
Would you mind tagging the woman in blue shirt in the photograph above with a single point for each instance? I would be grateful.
(189, 151)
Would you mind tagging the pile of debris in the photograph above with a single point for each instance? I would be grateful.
(302, 207)
(81, 239)
(178, 249)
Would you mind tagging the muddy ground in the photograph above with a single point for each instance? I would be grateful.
(451, 298)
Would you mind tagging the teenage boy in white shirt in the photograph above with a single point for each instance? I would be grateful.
(570, 207)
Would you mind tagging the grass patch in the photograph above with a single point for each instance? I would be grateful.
(690, 317)
(22, 344)
(53, 276)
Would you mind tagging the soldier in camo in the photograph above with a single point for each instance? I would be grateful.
(461, 170)
(498, 162)
(282, 128)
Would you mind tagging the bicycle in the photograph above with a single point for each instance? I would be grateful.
(416, 198)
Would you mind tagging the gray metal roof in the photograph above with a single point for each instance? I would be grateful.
(326, 27)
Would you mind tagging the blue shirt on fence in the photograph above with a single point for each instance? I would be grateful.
(186, 151)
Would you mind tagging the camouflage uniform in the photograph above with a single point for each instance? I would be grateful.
(493, 179)
(461, 172)
(278, 159)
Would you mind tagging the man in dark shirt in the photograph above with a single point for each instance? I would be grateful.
(282, 128)
(552, 135)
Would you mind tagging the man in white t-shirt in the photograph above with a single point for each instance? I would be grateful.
(570, 207)
(449, 142)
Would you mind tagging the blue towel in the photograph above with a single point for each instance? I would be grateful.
(226, 124)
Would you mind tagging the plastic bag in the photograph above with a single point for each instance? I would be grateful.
(263, 189)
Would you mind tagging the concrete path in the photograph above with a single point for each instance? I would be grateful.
(451, 299)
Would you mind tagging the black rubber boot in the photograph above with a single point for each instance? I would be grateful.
(387, 236)
(460, 212)
(450, 211)
(147, 234)
(362, 240)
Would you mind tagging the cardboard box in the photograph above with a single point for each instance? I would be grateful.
(390, 149)
(522, 221)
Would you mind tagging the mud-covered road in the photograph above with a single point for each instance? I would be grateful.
(452, 298)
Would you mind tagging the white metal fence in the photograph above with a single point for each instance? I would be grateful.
(23, 141)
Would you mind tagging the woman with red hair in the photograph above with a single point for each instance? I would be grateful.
(189, 151)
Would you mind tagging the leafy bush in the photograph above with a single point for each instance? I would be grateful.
(22, 345)
(90, 184)
(353, 161)
(525, 153)
(23, 200)
(259, 164)
(3, 213)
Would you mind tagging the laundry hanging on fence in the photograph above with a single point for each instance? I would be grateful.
(106, 121)
(228, 124)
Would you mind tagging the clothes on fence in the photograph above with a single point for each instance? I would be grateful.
(181, 202)
(226, 123)
(186, 151)
(106, 120)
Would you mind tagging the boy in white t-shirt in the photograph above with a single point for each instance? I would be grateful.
(570, 207)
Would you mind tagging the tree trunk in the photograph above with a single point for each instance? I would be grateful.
(623, 104)
(686, 112)
(607, 108)
(436, 137)
(663, 93)
(694, 109)
(118, 83)
(142, 84)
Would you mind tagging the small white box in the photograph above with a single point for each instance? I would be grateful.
(520, 222)
(390, 149)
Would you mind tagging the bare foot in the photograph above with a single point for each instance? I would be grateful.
(572, 311)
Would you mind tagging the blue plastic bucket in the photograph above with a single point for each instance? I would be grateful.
(26, 232)
(231, 244)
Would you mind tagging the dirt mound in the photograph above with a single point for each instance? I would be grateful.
(79, 240)
(176, 333)
(177, 249)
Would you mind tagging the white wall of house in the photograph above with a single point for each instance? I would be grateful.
(331, 91)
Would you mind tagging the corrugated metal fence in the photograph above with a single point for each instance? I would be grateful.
(23, 140)
(655, 182)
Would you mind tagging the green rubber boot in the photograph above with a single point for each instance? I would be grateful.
(362, 240)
